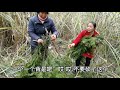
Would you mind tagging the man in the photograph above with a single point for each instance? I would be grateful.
(39, 25)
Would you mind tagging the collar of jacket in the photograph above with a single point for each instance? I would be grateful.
(41, 18)
(38, 21)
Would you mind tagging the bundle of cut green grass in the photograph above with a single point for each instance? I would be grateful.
(53, 62)
(87, 44)
(40, 55)
(44, 58)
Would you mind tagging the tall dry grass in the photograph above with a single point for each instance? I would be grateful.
(69, 24)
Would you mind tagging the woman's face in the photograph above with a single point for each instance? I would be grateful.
(90, 27)
(43, 15)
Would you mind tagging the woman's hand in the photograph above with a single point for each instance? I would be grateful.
(53, 37)
(40, 41)
(71, 45)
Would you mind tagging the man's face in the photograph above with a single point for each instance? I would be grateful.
(43, 15)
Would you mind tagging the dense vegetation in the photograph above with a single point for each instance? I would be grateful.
(15, 48)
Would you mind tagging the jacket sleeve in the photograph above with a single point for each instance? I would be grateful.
(31, 30)
(79, 38)
(53, 29)
(97, 33)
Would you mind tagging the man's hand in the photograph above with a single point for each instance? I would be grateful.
(40, 41)
(71, 45)
(53, 37)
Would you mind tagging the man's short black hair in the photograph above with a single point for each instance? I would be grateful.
(39, 12)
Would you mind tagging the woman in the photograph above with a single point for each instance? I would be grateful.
(90, 31)
(37, 28)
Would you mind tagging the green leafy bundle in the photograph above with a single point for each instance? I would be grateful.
(40, 55)
(87, 44)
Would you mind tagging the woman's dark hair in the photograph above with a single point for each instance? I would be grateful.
(39, 12)
(94, 24)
